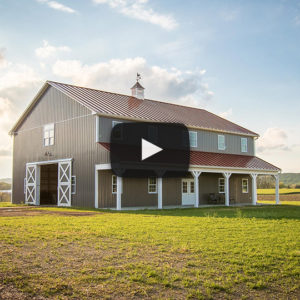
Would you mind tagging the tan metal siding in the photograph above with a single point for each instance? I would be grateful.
(105, 196)
(74, 138)
(171, 191)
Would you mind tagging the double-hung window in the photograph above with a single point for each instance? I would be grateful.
(245, 185)
(193, 138)
(221, 185)
(244, 145)
(49, 135)
(221, 142)
(73, 185)
(114, 186)
(152, 185)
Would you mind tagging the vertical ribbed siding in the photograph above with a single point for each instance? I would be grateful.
(74, 138)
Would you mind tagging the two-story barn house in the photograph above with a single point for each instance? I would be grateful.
(61, 153)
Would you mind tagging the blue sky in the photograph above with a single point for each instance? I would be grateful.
(238, 59)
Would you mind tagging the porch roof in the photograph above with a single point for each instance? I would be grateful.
(212, 159)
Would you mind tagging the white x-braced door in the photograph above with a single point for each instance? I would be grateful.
(64, 183)
(32, 185)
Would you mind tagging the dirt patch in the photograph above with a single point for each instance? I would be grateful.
(288, 197)
(31, 211)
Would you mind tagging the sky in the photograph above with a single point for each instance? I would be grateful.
(237, 59)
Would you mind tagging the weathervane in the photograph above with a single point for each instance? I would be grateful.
(138, 77)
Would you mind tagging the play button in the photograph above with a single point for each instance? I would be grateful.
(149, 149)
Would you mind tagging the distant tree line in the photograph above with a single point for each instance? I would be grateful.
(5, 186)
(268, 182)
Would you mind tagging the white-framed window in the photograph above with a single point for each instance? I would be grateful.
(245, 185)
(152, 185)
(114, 185)
(193, 138)
(244, 144)
(221, 142)
(221, 185)
(49, 135)
(118, 134)
(73, 185)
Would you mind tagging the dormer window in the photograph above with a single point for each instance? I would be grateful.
(49, 135)
(244, 146)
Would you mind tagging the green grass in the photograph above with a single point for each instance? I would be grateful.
(281, 191)
(7, 204)
(207, 253)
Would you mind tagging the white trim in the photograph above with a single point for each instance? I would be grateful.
(247, 186)
(196, 175)
(73, 185)
(96, 187)
(119, 193)
(277, 188)
(97, 129)
(103, 167)
(227, 176)
(159, 193)
(254, 189)
(48, 162)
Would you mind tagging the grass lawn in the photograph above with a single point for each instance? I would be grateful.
(217, 253)
(281, 191)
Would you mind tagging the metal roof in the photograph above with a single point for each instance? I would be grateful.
(128, 107)
(235, 161)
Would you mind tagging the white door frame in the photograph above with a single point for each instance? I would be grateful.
(32, 190)
(191, 196)
(64, 183)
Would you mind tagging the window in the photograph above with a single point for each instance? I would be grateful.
(193, 138)
(118, 134)
(244, 145)
(222, 185)
(184, 187)
(49, 135)
(245, 185)
(221, 142)
(73, 185)
(192, 187)
(114, 184)
(152, 185)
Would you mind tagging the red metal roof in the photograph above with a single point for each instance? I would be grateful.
(211, 159)
(123, 106)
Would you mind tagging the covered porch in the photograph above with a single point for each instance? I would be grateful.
(204, 186)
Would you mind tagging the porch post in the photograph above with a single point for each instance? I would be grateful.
(119, 193)
(159, 193)
(277, 188)
(196, 175)
(254, 189)
(226, 175)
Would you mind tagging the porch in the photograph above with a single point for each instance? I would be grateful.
(202, 187)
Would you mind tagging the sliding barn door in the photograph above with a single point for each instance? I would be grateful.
(32, 190)
(64, 183)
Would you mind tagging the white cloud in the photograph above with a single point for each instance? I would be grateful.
(273, 139)
(48, 50)
(226, 114)
(139, 10)
(58, 6)
(185, 87)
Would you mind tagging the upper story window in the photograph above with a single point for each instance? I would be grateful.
(193, 138)
(244, 144)
(49, 135)
(221, 142)
(118, 134)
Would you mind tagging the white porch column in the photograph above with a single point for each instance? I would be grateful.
(196, 175)
(254, 188)
(159, 193)
(119, 193)
(277, 188)
(226, 176)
